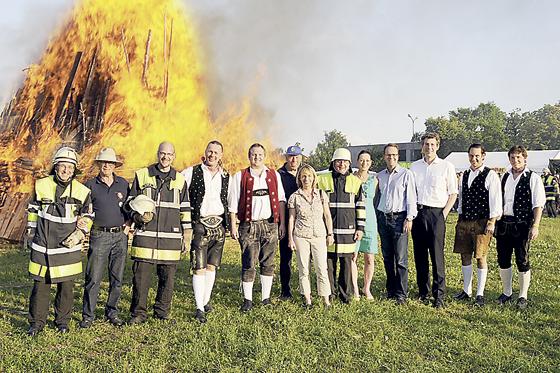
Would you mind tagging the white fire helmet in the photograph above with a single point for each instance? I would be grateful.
(66, 154)
(342, 153)
(143, 204)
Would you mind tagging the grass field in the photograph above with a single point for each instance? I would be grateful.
(363, 336)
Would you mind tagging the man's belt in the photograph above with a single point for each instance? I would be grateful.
(211, 221)
(108, 229)
(424, 207)
(393, 215)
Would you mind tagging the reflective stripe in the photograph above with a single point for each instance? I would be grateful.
(185, 216)
(155, 254)
(170, 205)
(37, 269)
(32, 216)
(66, 270)
(361, 223)
(348, 205)
(159, 234)
(342, 248)
(361, 213)
(361, 204)
(32, 224)
(185, 204)
(58, 250)
(343, 231)
(32, 206)
(57, 219)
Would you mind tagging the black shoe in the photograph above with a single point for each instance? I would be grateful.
(267, 302)
(33, 331)
(247, 305)
(462, 296)
(136, 320)
(479, 302)
(307, 306)
(401, 301)
(208, 308)
(285, 296)
(86, 323)
(423, 299)
(522, 303)
(115, 321)
(503, 299)
(200, 316)
(438, 303)
(391, 296)
(63, 329)
(332, 297)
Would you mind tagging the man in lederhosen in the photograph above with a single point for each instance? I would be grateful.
(524, 198)
(208, 190)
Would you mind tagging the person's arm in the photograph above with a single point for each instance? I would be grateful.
(360, 206)
(185, 215)
(538, 200)
(291, 223)
(233, 202)
(537, 215)
(328, 219)
(411, 207)
(281, 206)
(452, 189)
(495, 200)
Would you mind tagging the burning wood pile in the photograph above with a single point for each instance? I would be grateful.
(124, 74)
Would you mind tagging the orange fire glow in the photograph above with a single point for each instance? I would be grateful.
(150, 100)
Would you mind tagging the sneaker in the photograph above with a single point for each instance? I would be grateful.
(462, 296)
(503, 299)
(522, 303)
(479, 302)
(267, 302)
(86, 323)
(247, 305)
(208, 308)
(307, 306)
(200, 316)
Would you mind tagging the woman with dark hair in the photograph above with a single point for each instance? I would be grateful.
(310, 231)
(368, 244)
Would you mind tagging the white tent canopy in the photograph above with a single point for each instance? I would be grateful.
(536, 160)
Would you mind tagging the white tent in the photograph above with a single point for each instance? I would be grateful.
(536, 160)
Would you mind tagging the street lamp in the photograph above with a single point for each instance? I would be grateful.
(413, 120)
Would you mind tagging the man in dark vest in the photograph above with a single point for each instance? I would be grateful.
(550, 188)
(208, 189)
(480, 204)
(159, 242)
(257, 199)
(288, 174)
(524, 198)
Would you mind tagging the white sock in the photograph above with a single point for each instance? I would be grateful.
(247, 290)
(524, 281)
(467, 279)
(199, 288)
(266, 283)
(481, 274)
(210, 278)
(506, 276)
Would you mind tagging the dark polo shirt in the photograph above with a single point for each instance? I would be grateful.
(108, 201)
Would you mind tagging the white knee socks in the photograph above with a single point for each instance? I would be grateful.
(209, 285)
(467, 279)
(266, 284)
(481, 275)
(506, 276)
(524, 281)
(199, 286)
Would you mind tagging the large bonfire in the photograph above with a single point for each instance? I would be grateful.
(120, 73)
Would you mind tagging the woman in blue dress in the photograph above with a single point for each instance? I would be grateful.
(368, 244)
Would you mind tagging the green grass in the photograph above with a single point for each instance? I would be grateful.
(363, 336)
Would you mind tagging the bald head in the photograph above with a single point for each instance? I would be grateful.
(166, 155)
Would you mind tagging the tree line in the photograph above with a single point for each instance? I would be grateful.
(486, 124)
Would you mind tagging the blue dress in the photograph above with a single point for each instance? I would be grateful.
(368, 243)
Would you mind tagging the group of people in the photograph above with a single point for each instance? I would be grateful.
(330, 218)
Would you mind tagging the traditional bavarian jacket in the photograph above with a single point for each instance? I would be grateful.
(348, 209)
(54, 212)
(480, 195)
(197, 178)
(160, 240)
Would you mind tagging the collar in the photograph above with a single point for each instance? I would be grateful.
(436, 160)
(253, 173)
(523, 173)
(154, 171)
(98, 178)
(397, 169)
(205, 168)
(481, 168)
(284, 169)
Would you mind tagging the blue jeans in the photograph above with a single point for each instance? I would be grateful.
(394, 247)
(104, 247)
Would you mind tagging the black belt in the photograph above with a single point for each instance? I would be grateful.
(424, 207)
(392, 215)
(108, 229)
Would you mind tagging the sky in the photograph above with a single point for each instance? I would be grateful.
(357, 66)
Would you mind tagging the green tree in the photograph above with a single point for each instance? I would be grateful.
(320, 158)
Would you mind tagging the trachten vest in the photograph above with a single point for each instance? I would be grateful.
(246, 195)
(475, 200)
(348, 209)
(197, 190)
(160, 240)
(54, 212)
(522, 205)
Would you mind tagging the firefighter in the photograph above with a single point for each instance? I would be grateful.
(550, 188)
(160, 237)
(59, 216)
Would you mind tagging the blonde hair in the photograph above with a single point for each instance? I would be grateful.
(309, 168)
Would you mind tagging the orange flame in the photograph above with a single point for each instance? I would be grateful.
(150, 100)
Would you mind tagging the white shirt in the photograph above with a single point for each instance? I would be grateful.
(261, 204)
(435, 182)
(492, 185)
(211, 202)
(538, 196)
